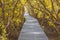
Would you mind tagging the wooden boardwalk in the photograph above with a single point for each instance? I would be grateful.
(31, 30)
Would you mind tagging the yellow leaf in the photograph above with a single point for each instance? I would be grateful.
(18, 20)
(18, 5)
(15, 11)
(48, 4)
(55, 6)
(47, 17)
(39, 15)
(10, 0)
(23, 2)
(51, 23)
(6, 14)
(59, 15)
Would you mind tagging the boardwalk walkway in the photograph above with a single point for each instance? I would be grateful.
(31, 30)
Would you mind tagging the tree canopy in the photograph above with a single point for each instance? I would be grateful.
(47, 12)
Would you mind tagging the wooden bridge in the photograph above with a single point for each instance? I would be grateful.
(31, 30)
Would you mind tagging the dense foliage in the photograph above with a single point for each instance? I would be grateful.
(11, 19)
